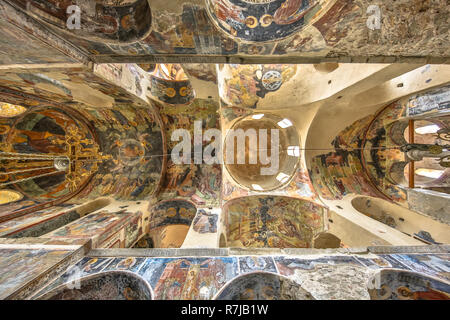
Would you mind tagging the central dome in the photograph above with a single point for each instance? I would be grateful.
(265, 166)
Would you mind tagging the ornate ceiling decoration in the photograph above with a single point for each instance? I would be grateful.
(48, 154)
(263, 20)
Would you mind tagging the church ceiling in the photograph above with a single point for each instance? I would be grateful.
(216, 31)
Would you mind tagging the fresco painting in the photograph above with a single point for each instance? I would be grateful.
(263, 286)
(21, 224)
(199, 183)
(104, 286)
(244, 85)
(172, 212)
(98, 226)
(175, 279)
(262, 20)
(15, 273)
(432, 100)
(110, 22)
(251, 264)
(404, 285)
(436, 266)
(290, 277)
(134, 141)
(169, 84)
(230, 27)
(272, 221)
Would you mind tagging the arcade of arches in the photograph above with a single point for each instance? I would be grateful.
(358, 121)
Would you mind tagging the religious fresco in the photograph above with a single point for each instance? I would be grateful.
(184, 278)
(125, 75)
(39, 149)
(123, 22)
(15, 273)
(21, 47)
(367, 152)
(405, 285)
(222, 27)
(205, 222)
(263, 286)
(244, 85)
(262, 20)
(272, 221)
(133, 139)
(338, 173)
(83, 268)
(199, 183)
(433, 265)
(37, 223)
(310, 277)
(432, 100)
(172, 212)
(9, 110)
(97, 226)
(105, 286)
(169, 84)
(380, 153)
(201, 71)
(252, 264)
(13, 209)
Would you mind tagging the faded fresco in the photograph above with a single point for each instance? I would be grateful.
(272, 221)
(239, 27)
(263, 286)
(205, 222)
(243, 86)
(100, 226)
(265, 277)
(15, 273)
(262, 20)
(404, 285)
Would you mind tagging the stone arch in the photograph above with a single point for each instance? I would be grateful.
(223, 241)
(272, 221)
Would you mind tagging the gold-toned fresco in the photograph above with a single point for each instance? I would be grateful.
(199, 183)
(272, 221)
(9, 110)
